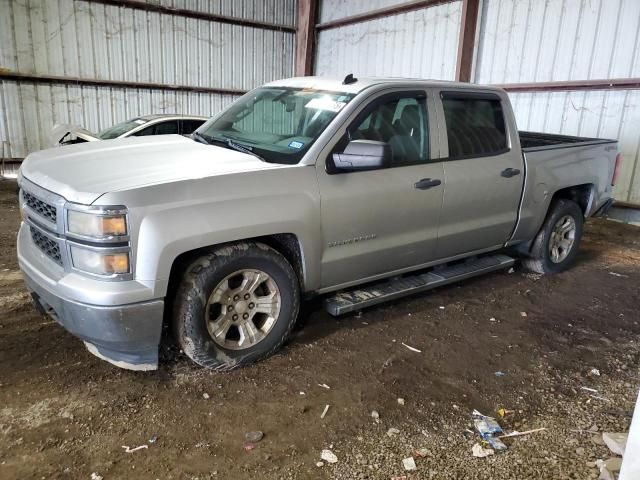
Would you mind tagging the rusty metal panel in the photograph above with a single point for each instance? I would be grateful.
(421, 43)
(554, 40)
(597, 113)
(84, 39)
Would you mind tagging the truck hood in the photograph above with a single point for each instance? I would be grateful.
(81, 173)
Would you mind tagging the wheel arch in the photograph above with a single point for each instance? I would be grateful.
(287, 244)
(583, 195)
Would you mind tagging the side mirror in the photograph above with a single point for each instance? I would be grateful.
(363, 155)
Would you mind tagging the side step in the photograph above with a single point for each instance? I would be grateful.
(383, 291)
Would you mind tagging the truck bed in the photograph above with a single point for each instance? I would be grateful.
(534, 141)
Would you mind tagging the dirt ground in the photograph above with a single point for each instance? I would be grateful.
(66, 414)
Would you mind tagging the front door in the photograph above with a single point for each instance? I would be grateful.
(483, 174)
(378, 221)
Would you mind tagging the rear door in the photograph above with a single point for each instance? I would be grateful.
(483, 171)
(378, 221)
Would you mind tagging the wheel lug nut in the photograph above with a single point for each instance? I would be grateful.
(235, 317)
(251, 305)
(229, 308)
(246, 296)
(245, 316)
(236, 298)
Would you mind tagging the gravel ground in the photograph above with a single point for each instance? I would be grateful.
(65, 414)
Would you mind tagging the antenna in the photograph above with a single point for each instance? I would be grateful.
(349, 79)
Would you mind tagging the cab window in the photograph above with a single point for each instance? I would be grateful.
(475, 125)
(400, 122)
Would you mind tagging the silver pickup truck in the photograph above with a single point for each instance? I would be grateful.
(362, 190)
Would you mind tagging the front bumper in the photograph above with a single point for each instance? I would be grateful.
(125, 335)
(117, 321)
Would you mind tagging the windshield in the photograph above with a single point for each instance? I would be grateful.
(276, 124)
(121, 128)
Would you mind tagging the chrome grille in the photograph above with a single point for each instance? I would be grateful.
(40, 207)
(49, 247)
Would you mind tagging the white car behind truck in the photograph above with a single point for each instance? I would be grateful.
(362, 190)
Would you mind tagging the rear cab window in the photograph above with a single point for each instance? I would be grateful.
(475, 124)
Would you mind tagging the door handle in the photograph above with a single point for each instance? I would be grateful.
(510, 172)
(427, 183)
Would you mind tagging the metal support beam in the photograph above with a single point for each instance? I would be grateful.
(306, 37)
(380, 13)
(183, 12)
(467, 40)
(574, 85)
(80, 82)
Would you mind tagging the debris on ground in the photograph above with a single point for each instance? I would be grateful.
(205, 396)
(319, 464)
(413, 349)
(615, 441)
(479, 451)
(489, 430)
(324, 385)
(95, 476)
(409, 464)
(399, 477)
(519, 434)
(588, 389)
(131, 450)
(499, 374)
(503, 412)
(594, 372)
(400, 401)
(523, 314)
(248, 446)
(421, 452)
(328, 456)
(324, 412)
(254, 436)
(392, 431)
(615, 274)
(153, 439)
(375, 415)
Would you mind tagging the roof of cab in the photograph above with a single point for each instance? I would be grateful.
(336, 84)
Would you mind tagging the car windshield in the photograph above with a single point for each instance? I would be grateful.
(276, 124)
(121, 128)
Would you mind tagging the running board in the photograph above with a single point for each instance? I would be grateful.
(383, 291)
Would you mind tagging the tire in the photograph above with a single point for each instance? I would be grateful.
(211, 298)
(542, 259)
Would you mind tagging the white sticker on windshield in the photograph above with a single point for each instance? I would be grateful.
(325, 103)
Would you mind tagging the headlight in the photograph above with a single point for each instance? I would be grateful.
(100, 262)
(96, 225)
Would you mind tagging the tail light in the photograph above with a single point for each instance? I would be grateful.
(616, 169)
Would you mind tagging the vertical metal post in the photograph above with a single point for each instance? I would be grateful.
(467, 40)
(306, 37)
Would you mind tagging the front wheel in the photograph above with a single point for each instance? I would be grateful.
(556, 245)
(235, 306)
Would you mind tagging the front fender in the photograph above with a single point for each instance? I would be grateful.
(178, 218)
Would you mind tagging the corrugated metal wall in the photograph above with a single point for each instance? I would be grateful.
(539, 41)
(334, 9)
(419, 43)
(92, 40)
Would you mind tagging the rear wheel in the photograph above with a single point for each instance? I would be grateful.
(236, 306)
(556, 245)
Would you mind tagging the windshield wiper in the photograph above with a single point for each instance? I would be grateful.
(198, 137)
(233, 145)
